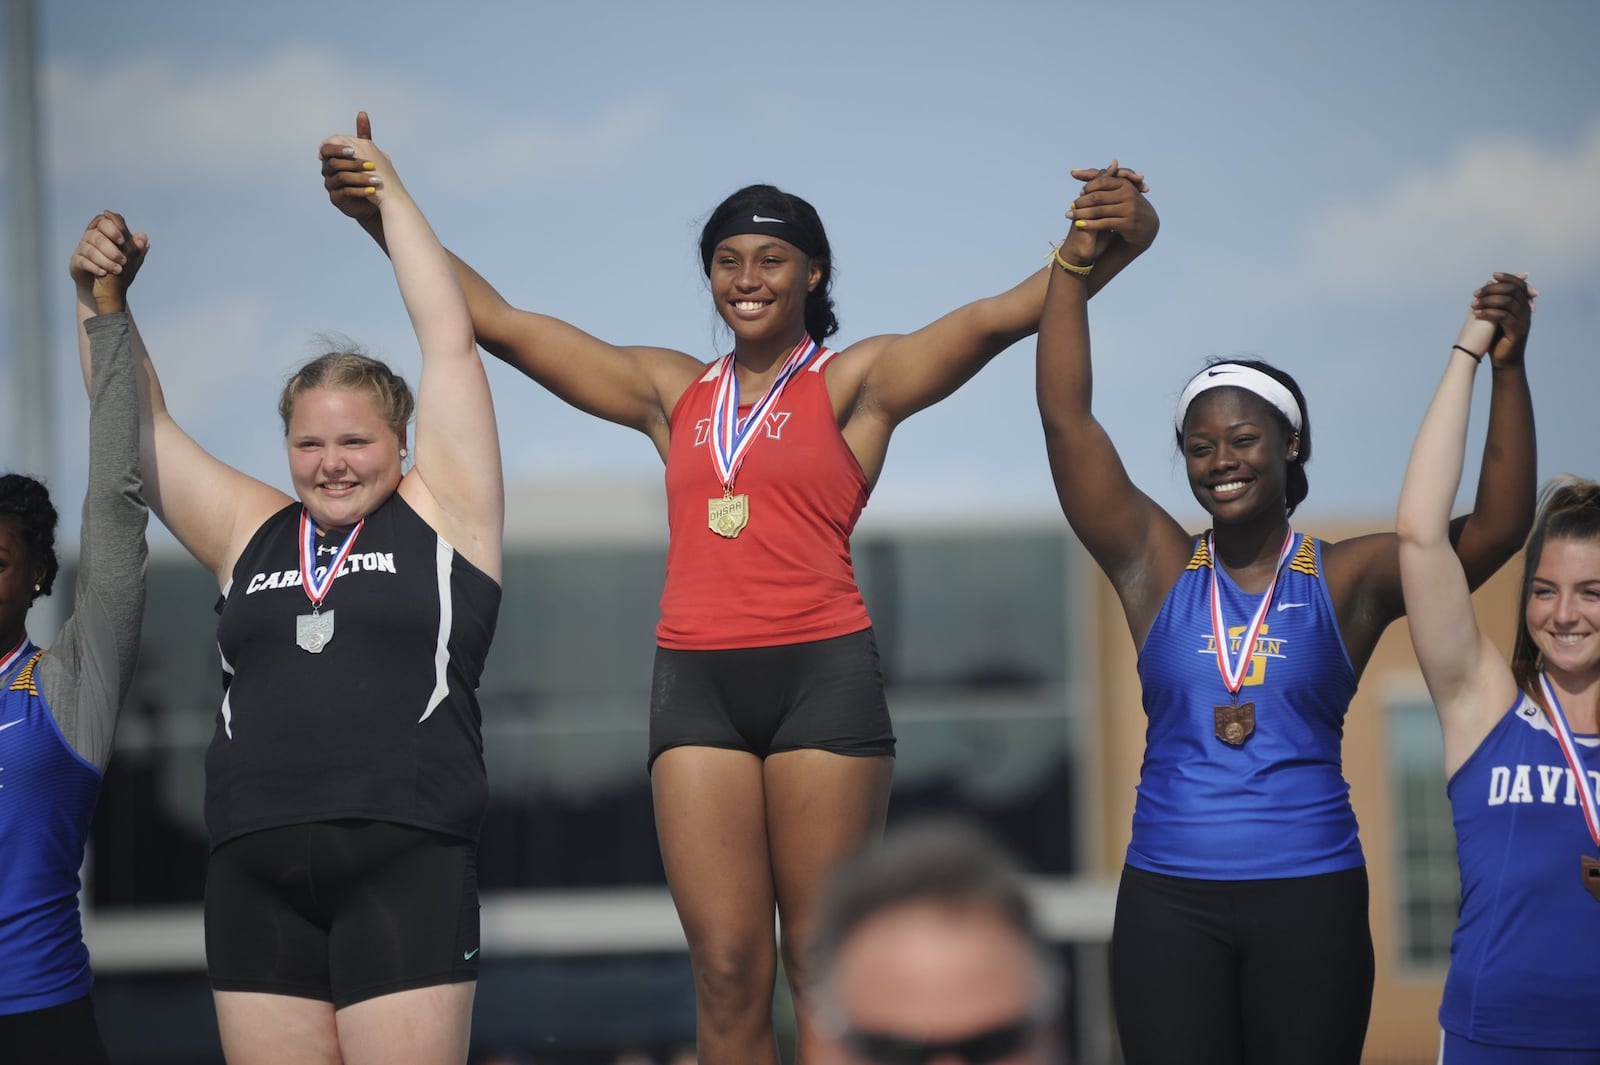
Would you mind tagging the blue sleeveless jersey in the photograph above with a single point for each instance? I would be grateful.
(47, 797)
(1278, 805)
(1525, 960)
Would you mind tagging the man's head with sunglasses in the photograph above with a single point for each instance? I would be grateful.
(926, 953)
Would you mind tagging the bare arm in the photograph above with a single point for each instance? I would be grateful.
(632, 386)
(1502, 509)
(1502, 513)
(211, 508)
(1470, 683)
(1138, 545)
(456, 484)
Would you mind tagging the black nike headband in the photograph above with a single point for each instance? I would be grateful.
(765, 225)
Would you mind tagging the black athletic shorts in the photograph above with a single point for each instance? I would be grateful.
(825, 695)
(341, 911)
(1242, 972)
(57, 1035)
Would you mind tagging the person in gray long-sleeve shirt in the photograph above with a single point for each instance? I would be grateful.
(58, 707)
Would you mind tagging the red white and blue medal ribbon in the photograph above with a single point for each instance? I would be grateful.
(731, 436)
(317, 588)
(1569, 747)
(1233, 672)
(21, 649)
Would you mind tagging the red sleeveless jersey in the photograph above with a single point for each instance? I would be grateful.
(787, 577)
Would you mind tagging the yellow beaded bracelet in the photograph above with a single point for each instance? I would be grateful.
(1081, 271)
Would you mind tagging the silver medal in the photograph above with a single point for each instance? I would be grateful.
(313, 632)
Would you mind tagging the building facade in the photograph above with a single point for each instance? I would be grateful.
(1011, 678)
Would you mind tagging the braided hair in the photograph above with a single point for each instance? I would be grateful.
(25, 503)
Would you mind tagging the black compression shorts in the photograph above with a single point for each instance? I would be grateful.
(341, 911)
(824, 695)
(59, 1035)
(1242, 972)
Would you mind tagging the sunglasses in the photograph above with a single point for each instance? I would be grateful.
(981, 1049)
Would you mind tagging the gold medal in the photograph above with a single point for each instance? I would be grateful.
(732, 437)
(729, 515)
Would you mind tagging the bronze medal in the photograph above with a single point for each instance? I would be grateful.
(1589, 866)
(1235, 723)
(728, 515)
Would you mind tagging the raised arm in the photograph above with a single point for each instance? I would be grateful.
(1502, 512)
(209, 506)
(1138, 545)
(1469, 681)
(91, 662)
(1502, 509)
(456, 483)
(632, 386)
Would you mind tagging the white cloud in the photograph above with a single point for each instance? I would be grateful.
(222, 363)
(1496, 204)
(543, 149)
(154, 118)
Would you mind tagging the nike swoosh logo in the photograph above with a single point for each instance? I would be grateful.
(1215, 373)
(8, 724)
(759, 218)
(1290, 606)
(468, 955)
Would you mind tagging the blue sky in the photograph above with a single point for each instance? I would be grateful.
(1333, 182)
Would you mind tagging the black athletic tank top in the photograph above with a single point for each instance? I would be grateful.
(382, 723)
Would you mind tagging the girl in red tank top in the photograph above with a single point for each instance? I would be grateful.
(771, 756)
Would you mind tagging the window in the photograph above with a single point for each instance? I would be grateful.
(1427, 881)
(972, 628)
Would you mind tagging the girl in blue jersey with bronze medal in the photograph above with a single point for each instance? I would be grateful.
(1242, 821)
(1521, 754)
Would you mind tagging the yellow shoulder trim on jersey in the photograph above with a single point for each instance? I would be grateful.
(1201, 559)
(24, 678)
(1305, 558)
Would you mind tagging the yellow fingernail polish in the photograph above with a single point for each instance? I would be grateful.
(369, 166)
(368, 191)
(1080, 223)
